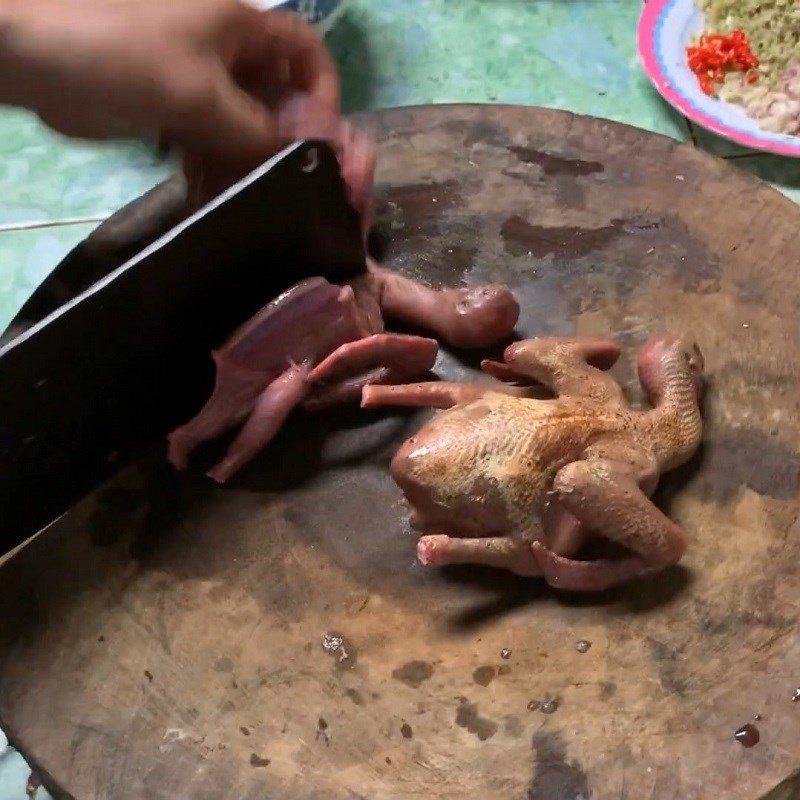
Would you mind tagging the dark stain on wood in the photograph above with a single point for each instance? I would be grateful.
(568, 241)
(483, 133)
(554, 778)
(669, 663)
(418, 201)
(569, 191)
(355, 696)
(458, 259)
(418, 251)
(378, 240)
(607, 690)
(513, 727)
(467, 717)
(552, 164)
(257, 761)
(735, 622)
(414, 673)
(599, 266)
(483, 676)
(747, 457)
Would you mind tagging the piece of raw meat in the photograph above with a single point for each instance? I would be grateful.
(509, 480)
(319, 343)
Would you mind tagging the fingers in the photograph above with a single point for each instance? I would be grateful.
(207, 77)
(276, 46)
(358, 172)
(209, 116)
(270, 77)
(310, 67)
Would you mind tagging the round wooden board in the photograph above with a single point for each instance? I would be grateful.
(164, 639)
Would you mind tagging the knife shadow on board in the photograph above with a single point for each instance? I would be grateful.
(113, 349)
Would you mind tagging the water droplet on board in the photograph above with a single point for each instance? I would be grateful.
(322, 731)
(796, 695)
(505, 653)
(533, 705)
(747, 735)
(549, 706)
(336, 645)
(331, 642)
(583, 645)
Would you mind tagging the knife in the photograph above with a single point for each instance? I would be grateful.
(127, 358)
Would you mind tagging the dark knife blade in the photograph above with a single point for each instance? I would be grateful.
(126, 360)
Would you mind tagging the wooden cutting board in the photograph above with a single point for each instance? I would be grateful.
(165, 639)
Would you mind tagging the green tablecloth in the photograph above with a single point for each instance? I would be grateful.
(573, 54)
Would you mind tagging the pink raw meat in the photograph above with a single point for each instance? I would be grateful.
(319, 343)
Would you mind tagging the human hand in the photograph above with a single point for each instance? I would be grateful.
(208, 78)
(301, 118)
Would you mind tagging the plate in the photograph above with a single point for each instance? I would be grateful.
(322, 13)
(666, 27)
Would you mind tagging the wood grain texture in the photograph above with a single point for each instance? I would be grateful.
(165, 639)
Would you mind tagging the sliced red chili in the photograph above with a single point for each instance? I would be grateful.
(715, 54)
